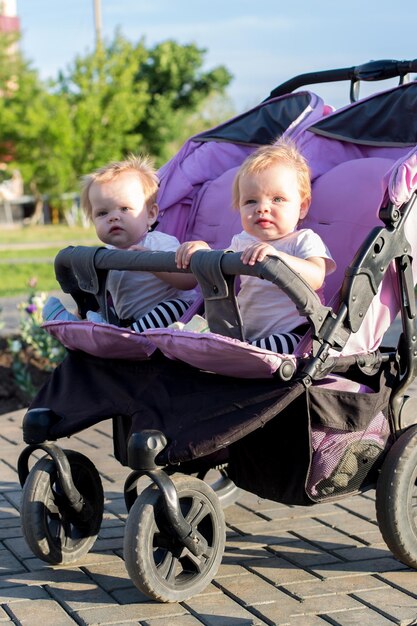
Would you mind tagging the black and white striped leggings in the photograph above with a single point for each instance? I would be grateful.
(161, 316)
(283, 343)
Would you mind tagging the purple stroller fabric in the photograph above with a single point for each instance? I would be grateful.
(195, 190)
(352, 178)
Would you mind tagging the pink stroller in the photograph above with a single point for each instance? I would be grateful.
(330, 420)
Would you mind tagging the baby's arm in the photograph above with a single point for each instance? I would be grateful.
(313, 269)
(179, 281)
(186, 250)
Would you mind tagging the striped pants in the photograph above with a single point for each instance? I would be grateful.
(161, 316)
(283, 343)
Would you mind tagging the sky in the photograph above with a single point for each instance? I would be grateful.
(261, 43)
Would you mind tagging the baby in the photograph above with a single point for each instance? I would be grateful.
(120, 199)
(272, 191)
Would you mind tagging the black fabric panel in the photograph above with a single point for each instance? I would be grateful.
(352, 411)
(261, 125)
(197, 411)
(387, 119)
(273, 461)
(264, 426)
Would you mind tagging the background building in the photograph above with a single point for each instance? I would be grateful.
(9, 22)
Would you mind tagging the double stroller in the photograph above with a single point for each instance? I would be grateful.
(331, 420)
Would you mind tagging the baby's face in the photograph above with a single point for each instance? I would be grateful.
(270, 202)
(119, 212)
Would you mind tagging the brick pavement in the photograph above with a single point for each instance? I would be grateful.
(303, 566)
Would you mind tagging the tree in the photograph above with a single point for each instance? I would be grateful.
(36, 134)
(105, 102)
(121, 98)
(177, 88)
(124, 97)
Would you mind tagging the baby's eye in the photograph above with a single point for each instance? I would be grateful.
(249, 201)
(277, 199)
(100, 213)
(124, 209)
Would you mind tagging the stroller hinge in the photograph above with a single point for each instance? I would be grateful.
(368, 269)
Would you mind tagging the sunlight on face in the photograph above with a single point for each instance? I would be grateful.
(119, 212)
(270, 202)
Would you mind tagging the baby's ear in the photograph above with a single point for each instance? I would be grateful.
(304, 207)
(153, 211)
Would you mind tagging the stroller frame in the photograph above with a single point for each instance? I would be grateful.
(216, 272)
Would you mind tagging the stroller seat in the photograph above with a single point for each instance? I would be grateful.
(345, 205)
(195, 203)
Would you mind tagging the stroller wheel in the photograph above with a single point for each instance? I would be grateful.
(52, 528)
(157, 561)
(396, 498)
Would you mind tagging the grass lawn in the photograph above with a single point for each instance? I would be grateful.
(28, 253)
(37, 235)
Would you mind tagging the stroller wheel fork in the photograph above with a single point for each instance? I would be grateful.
(175, 531)
(62, 503)
(64, 476)
(143, 449)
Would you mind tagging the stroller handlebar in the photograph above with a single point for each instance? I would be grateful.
(370, 71)
(82, 261)
(84, 268)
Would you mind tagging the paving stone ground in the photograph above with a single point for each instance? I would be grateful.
(283, 565)
(325, 564)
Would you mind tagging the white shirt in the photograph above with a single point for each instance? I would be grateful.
(135, 293)
(266, 309)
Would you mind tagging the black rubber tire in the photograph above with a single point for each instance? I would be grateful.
(157, 561)
(396, 498)
(50, 526)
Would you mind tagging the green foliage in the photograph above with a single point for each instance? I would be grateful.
(122, 98)
(35, 130)
(105, 102)
(177, 87)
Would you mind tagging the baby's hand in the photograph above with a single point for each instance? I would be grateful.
(257, 252)
(186, 250)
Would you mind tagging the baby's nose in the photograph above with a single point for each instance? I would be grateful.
(263, 207)
(113, 217)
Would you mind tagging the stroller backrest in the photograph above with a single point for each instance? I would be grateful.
(361, 157)
(195, 190)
